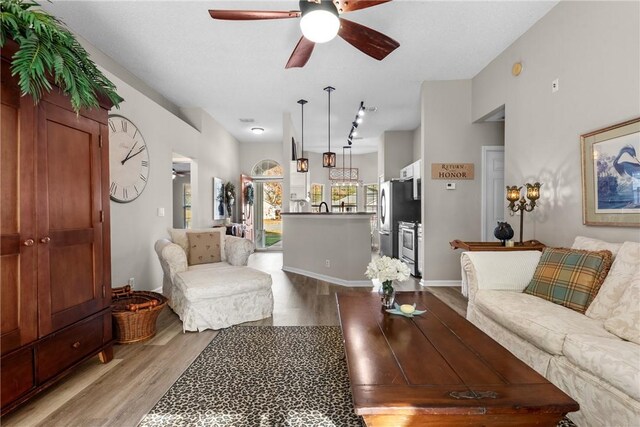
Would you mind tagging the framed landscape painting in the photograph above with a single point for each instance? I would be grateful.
(611, 175)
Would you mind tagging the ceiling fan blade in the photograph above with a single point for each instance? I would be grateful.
(249, 15)
(351, 5)
(301, 53)
(369, 41)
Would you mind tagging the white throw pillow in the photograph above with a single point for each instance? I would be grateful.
(625, 319)
(506, 271)
(179, 237)
(625, 265)
(589, 244)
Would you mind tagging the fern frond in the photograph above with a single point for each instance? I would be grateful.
(48, 48)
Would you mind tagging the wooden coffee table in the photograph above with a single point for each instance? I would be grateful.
(438, 369)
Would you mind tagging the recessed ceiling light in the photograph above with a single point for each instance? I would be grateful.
(257, 131)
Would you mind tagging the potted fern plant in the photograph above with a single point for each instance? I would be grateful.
(48, 52)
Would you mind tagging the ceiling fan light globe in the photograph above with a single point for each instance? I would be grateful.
(319, 26)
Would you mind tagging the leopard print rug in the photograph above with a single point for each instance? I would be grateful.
(264, 376)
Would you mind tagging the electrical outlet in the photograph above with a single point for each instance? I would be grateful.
(555, 85)
(327, 263)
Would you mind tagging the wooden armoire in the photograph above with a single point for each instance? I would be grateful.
(55, 263)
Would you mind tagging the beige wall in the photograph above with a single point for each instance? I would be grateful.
(395, 151)
(253, 152)
(417, 144)
(594, 50)
(449, 136)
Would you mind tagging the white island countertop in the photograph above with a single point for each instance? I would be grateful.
(334, 247)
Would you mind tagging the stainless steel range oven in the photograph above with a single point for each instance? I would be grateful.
(408, 245)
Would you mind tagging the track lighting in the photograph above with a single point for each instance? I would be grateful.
(356, 123)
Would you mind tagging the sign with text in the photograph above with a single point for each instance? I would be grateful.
(451, 171)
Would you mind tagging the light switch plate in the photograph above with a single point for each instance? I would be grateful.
(160, 211)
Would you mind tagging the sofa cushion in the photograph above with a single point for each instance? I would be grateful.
(625, 319)
(626, 264)
(220, 281)
(542, 323)
(179, 237)
(611, 359)
(569, 277)
(204, 248)
(589, 244)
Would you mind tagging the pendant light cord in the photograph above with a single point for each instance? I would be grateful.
(329, 121)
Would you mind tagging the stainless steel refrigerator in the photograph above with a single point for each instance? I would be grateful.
(395, 204)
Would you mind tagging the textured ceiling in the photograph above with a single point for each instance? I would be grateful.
(235, 70)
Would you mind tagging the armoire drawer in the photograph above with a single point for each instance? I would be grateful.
(66, 347)
(17, 375)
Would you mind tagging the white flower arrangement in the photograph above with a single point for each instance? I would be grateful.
(387, 269)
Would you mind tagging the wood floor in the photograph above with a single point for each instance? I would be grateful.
(121, 392)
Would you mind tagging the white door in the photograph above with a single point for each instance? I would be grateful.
(493, 190)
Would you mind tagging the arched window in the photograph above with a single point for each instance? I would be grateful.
(267, 168)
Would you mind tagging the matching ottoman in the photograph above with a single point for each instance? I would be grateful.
(218, 296)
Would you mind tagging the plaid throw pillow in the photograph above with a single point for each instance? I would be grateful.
(569, 277)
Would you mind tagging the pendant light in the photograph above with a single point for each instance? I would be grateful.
(347, 181)
(329, 158)
(302, 162)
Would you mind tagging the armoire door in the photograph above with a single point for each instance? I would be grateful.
(18, 293)
(70, 218)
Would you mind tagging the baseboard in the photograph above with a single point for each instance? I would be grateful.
(440, 283)
(330, 279)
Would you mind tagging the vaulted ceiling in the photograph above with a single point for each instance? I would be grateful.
(235, 69)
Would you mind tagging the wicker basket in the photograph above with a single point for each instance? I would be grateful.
(134, 314)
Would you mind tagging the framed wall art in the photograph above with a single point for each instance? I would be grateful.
(218, 199)
(611, 175)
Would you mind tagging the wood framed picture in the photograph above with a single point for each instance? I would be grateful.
(611, 175)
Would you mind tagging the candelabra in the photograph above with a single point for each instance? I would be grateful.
(518, 203)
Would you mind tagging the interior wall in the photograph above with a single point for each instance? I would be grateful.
(417, 144)
(449, 136)
(397, 152)
(178, 200)
(218, 155)
(288, 132)
(135, 226)
(253, 152)
(593, 48)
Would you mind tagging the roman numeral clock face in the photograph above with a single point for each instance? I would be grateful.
(128, 160)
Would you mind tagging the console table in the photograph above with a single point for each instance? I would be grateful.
(529, 245)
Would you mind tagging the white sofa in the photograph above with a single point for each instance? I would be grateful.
(574, 351)
(214, 295)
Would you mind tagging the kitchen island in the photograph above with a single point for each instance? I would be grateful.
(333, 247)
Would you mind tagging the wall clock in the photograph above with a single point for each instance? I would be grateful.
(128, 160)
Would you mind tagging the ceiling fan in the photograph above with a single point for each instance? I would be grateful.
(320, 22)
